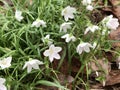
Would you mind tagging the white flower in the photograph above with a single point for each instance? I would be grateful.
(118, 62)
(89, 7)
(52, 52)
(69, 37)
(68, 12)
(18, 15)
(65, 26)
(32, 63)
(92, 28)
(83, 47)
(110, 22)
(97, 74)
(37, 23)
(119, 65)
(104, 83)
(86, 2)
(6, 62)
(47, 39)
(2, 86)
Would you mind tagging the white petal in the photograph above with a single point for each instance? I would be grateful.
(89, 45)
(58, 49)
(51, 58)
(18, 15)
(66, 18)
(46, 53)
(89, 7)
(118, 65)
(113, 24)
(52, 46)
(86, 2)
(9, 59)
(65, 26)
(67, 39)
(29, 68)
(86, 31)
(86, 49)
(3, 87)
(71, 16)
(40, 62)
(36, 24)
(104, 83)
(65, 36)
(56, 56)
(47, 36)
(35, 66)
(73, 38)
(2, 81)
(25, 65)
(97, 73)
(79, 49)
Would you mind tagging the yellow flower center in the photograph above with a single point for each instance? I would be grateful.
(51, 51)
(65, 11)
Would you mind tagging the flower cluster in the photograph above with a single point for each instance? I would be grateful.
(68, 13)
(88, 4)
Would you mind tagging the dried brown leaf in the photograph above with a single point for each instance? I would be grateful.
(99, 65)
(113, 78)
(114, 2)
(115, 35)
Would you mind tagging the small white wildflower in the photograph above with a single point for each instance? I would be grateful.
(6, 62)
(97, 74)
(47, 39)
(92, 28)
(110, 22)
(18, 15)
(119, 65)
(89, 7)
(86, 2)
(65, 26)
(104, 83)
(118, 62)
(68, 12)
(2, 86)
(32, 63)
(69, 37)
(37, 23)
(83, 47)
(52, 52)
